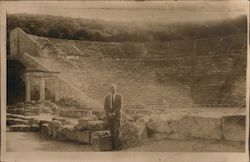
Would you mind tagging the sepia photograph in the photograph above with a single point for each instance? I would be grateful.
(125, 76)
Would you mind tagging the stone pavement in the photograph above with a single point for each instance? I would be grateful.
(34, 142)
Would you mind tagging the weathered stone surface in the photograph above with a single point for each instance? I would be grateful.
(234, 127)
(69, 132)
(208, 127)
(55, 131)
(17, 116)
(35, 128)
(96, 125)
(83, 122)
(199, 126)
(45, 129)
(75, 113)
(162, 123)
(131, 134)
(55, 127)
(33, 121)
(96, 133)
(139, 116)
(15, 121)
(83, 136)
(127, 118)
(101, 115)
(20, 128)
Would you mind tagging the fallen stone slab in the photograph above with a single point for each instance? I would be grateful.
(234, 127)
(96, 125)
(15, 121)
(21, 128)
(199, 126)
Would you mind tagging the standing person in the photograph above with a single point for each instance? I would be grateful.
(113, 107)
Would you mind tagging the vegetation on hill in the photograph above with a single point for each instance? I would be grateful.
(98, 30)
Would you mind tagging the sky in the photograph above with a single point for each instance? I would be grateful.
(155, 11)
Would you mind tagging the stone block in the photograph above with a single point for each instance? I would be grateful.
(234, 127)
(35, 128)
(55, 131)
(162, 123)
(94, 134)
(45, 129)
(69, 132)
(20, 128)
(96, 125)
(101, 115)
(83, 136)
(33, 121)
(83, 122)
(75, 113)
(207, 127)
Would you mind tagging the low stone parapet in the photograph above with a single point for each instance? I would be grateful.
(234, 127)
(214, 127)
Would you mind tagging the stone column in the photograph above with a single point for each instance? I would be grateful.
(42, 89)
(27, 86)
(56, 89)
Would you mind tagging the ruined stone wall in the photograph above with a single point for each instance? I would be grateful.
(20, 43)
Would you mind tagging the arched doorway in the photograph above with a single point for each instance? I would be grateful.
(15, 82)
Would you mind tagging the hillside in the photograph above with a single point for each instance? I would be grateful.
(99, 30)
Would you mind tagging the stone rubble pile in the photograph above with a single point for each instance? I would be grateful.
(32, 108)
(132, 134)
(83, 132)
(83, 125)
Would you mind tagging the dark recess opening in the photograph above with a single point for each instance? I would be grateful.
(15, 82)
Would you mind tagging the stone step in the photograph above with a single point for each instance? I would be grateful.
(21, 128)
(16, 121)
(75, 113)
(17, 116)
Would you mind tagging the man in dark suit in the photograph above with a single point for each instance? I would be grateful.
(113, 107)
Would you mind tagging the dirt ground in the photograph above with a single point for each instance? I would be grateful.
(34, 142)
